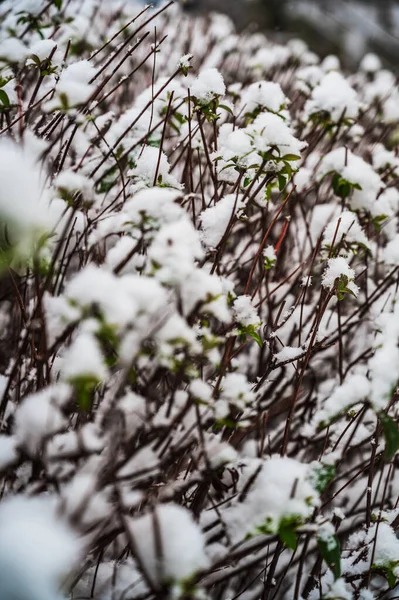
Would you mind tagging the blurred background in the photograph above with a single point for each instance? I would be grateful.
(348, 28)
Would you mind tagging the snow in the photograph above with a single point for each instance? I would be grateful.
(339, 589)
(216, 219)
(263, 95)
(288, 353)
(74, 182)
(13, 50)
(208, 86)
(184, 61)
(331, 63)
(337, 268)
(181, 541)
(391, 252)
(8, 451)
(346, 226)
(93, 285)
(205, 289)
(133, 408)
(143, 460)
(281, 490)
(271, 130)
(73, 87)
(123, 248)
(174, 250)
(148, 302)
(354, 169)
(386, 553)
(153, 163)
(333, 95)
(82, 500)
(302, 179)
(37, 548)
(245, 312)
(370, 63)
(237, 390)
(201, 390)
(83, 359)
(39, 417)
(154, 205)
(43, 48)
(24, 205)
(354, 389)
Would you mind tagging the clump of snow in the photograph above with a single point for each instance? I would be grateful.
(281, 490)
(153, 164)
(73, 87)
(263, 95)
(245, 312)
(201, 390)
(346, 226)
(216, 219)
(334, 96)
(237, 390)
(355, 170)
(208, 86)
(288, 353)
(182, 545)
(83, 358)
(336, 269)
(39, 416)
(12, 50)
(74, 182)
(370, 63)
(24, 204)
(383, 539)
(43, 48)
(353, 390)
(184, 61)
(8, 451)
(37, 548)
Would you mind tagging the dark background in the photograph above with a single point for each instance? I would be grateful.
(348, 28)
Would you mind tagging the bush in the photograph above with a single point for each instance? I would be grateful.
(199, 352)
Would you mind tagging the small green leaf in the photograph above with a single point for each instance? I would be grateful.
(58, 4)
(288, 535)
(254, 335)
(4, 99)
(247, 181)
(391, 435)
(226, 108)
(378, 221)
(330, 551)
(291, 157)
(282, 182)
(391, 579)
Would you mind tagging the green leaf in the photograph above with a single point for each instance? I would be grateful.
(58, 4)
(287, 535)
(378, 221)
(391, 579)
(4, 99)
(391, 435)
(226, 108)
(330, 550)
(84, 386)
(282, 182)
(254, 335)
(291, 157)
(388, 572)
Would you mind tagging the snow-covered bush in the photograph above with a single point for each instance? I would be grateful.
(199, 349)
